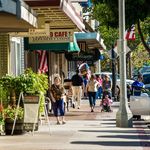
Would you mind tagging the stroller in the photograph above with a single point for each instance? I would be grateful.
(106, 104)
(68, 88)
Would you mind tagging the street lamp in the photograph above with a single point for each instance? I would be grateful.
(124, 115)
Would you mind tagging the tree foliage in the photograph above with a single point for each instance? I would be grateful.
(106, 12)
(140, 53)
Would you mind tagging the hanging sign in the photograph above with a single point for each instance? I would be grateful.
(55, 36)
(32, 32)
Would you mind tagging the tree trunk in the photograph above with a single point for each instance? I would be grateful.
(13, 97)
(142, 38)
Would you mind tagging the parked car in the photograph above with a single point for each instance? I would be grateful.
(146, 80)
(145, 69)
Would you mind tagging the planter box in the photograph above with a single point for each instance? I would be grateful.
(19, 126)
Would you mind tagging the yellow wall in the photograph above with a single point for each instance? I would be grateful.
(4, 54)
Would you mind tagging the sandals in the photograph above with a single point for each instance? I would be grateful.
(63, 122)
(58, 123)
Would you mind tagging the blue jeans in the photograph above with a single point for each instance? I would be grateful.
(92, 98)
(58, 108)
(99, 92)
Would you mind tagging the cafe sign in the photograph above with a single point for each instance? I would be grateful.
(55, 36)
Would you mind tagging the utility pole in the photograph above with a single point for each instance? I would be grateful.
(124, 114)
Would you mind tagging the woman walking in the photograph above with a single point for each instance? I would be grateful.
(57, 93)
(92, 87)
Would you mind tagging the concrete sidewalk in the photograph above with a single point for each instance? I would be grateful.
(84, 131)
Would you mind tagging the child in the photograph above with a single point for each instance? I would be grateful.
(106, 104)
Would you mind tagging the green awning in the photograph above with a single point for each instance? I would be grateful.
(52, 47)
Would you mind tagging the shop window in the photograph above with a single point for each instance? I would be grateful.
(16, 56)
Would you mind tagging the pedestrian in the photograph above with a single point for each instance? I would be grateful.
(136, 88)
(77, 86)
(100, 80)
(92, 87)
(57, 93)
(106, 104)
(106, 86)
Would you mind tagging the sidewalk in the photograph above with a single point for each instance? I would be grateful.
(84, 131)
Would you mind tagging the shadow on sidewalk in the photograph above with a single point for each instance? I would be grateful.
(111, 131)
(114, 143)
(142, 137)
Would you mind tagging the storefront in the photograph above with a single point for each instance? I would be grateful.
(63, 21)
(15, 16)
(90, 45)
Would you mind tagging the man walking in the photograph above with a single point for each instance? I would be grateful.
(77, 84)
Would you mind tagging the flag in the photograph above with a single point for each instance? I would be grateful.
(43, 66)
(130, 33)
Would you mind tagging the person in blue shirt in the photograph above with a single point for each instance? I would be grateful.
(137, 87)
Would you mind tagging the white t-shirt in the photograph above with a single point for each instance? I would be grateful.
(92, 86)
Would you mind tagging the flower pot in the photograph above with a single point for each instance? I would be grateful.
(19, 127)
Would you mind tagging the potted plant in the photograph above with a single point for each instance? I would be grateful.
(9, 117)
(30, 83)
(8, 85)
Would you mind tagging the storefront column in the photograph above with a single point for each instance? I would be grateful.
(31, 60)
(4, 54)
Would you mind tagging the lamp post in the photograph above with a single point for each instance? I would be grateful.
(124, 115)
